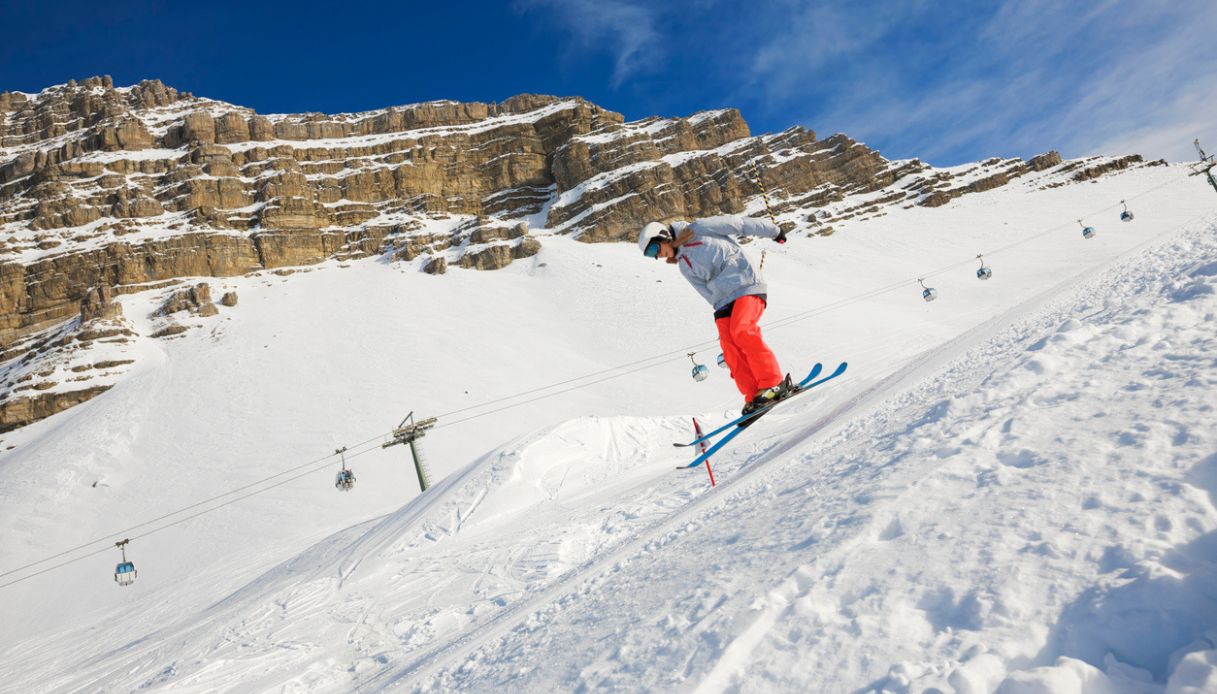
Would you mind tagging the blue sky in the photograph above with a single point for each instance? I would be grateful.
(949, 81)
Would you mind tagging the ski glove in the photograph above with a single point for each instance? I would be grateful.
(781, 237)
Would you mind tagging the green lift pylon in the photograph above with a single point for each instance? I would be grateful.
(408, 432)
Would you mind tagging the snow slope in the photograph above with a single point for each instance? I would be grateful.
(1014, 486)
(1044, 501)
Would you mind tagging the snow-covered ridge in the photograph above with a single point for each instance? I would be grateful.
(203, 175)
(234, 153)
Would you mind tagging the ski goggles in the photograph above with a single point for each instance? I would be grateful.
(652, 250)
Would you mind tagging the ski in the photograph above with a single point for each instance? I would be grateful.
(732, 434)
(800, 387)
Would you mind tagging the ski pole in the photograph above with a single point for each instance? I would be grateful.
(760, 182)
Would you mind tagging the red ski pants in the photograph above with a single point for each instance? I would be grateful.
(753, 366)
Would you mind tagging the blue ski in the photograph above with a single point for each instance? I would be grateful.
(815, 371)
(732, 434)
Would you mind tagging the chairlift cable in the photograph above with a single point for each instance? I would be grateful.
(318, 468)
(668, 357)
(151, 521)
(623, 369)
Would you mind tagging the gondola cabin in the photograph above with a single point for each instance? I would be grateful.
(700, 371)
(124, 573)
(984, 272)
(927, 293)
(344, 481)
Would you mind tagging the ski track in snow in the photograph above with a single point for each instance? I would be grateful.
(1028, 506)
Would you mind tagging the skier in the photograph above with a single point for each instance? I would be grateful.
(713, 262)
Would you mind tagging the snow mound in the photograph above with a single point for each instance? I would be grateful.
(548, 488)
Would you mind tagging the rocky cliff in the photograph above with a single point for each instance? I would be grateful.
(123, 188)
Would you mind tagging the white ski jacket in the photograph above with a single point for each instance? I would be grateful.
(713, 261)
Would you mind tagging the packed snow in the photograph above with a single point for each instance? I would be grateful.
(1012, 489)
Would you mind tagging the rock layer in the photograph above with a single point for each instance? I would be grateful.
(62, 367)
(107, 190)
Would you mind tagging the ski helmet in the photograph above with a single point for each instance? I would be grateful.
(653, 230)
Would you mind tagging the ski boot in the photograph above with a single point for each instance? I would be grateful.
(767, 397)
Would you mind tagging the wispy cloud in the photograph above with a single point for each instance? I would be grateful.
(1155, 92)
(1032, 75)
(947, 82)
(625, 30)
(1120, 77)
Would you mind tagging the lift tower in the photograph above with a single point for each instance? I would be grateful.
(408, 432)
